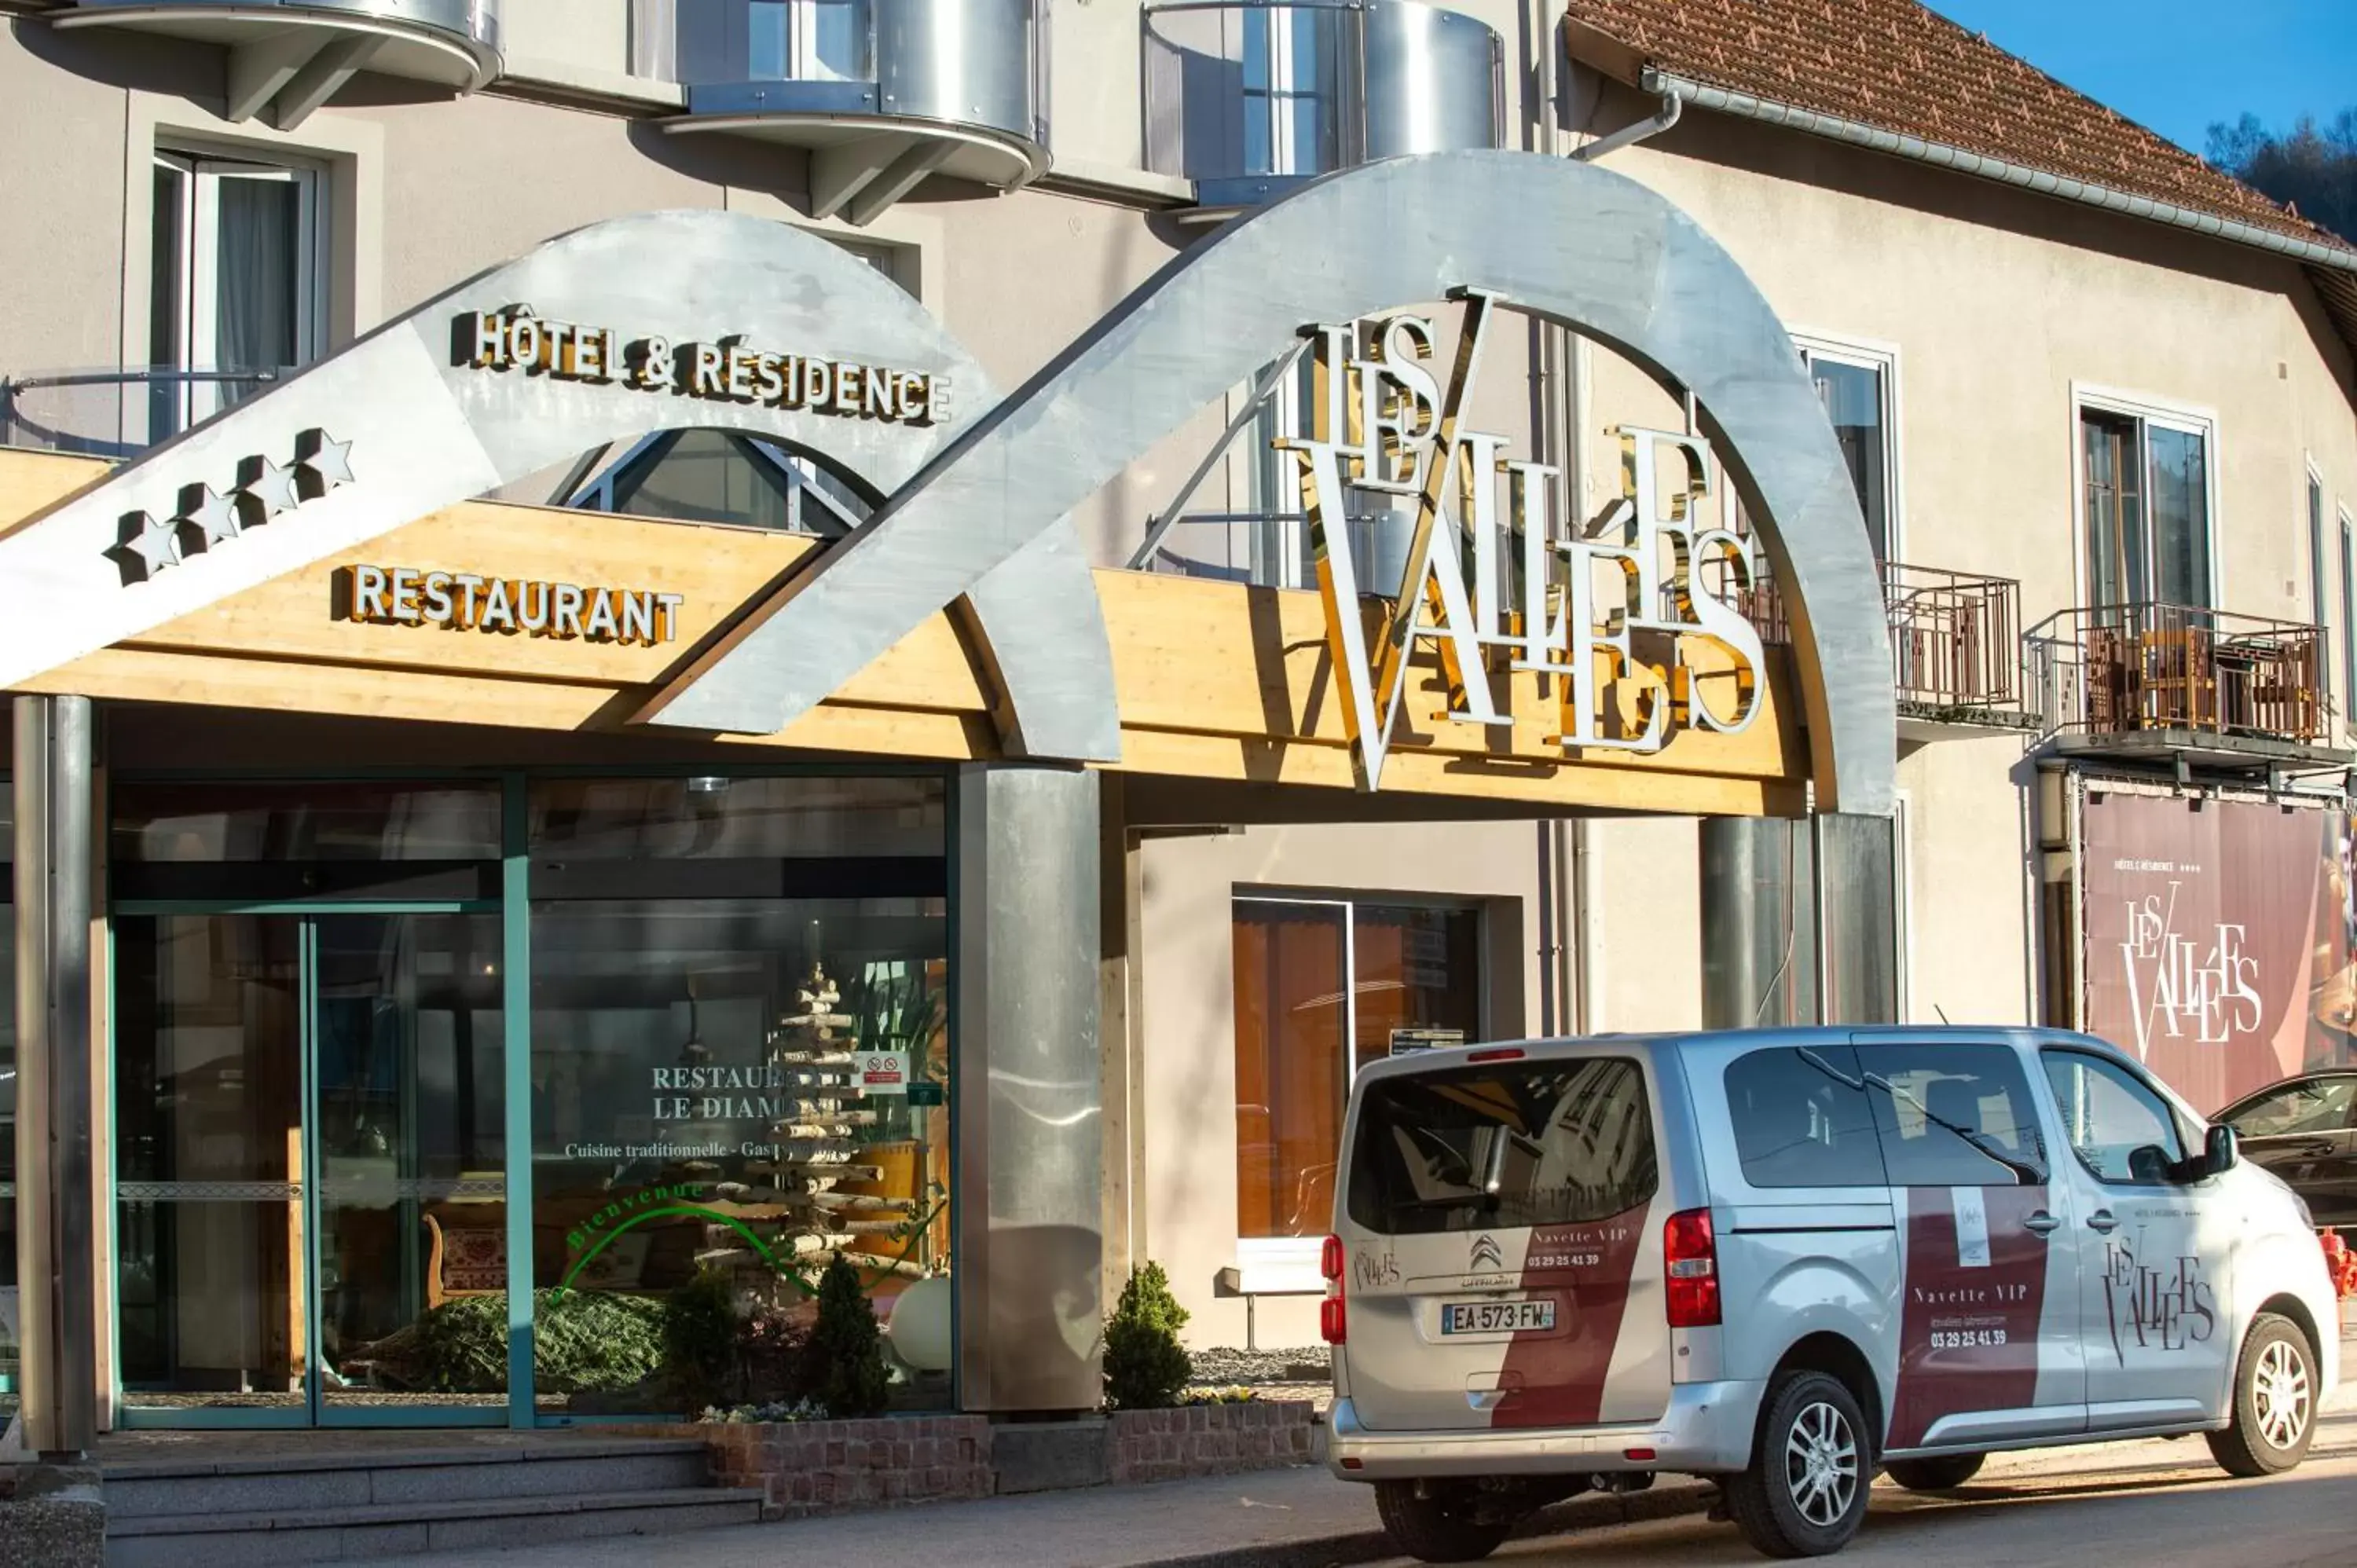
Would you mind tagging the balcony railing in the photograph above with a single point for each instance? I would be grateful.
(288, 57)
(1955, 641)
(2153, 673)
(1248, 98)
(116, 413)
(882, 92)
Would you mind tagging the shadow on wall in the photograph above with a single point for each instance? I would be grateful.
(1047, 1315)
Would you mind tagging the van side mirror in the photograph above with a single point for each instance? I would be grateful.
(2221, 1151)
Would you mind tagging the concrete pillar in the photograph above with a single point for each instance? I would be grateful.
(1029, 1076)
(59, 1340)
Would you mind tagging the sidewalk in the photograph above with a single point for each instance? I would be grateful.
(1300, 1518)
(1278, 1519)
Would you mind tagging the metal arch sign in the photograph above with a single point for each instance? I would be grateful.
(613, 331)
(1564, 240)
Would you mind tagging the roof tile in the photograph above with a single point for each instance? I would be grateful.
(1929, 77)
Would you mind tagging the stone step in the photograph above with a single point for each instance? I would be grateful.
(265, 1540)
(298, 1481)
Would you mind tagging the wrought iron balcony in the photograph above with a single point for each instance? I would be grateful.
(1250, 97)
(286, 58)
(116, 413)
(2177, 681)
(881, 92)
(1954, 645)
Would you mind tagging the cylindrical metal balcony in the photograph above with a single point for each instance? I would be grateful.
(286, 58)
(1248, 98)
(881, 92)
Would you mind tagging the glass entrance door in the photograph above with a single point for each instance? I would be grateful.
(308, 1107)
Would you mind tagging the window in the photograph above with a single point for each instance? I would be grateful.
(235, 282)
(2121, 1130)
(1323, 987)
(2147, 510)
(706, 955)
(1953, 1115)
(1803, 1119)
(1291, 62)
(1481, 1148)
(723, 476)
(1855, 388)
(719, 41)
(2315, 1105)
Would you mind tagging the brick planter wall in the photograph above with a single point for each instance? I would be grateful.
(1207, 1440)
(807, 1468)
(836, 1467)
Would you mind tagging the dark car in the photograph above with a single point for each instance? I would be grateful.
(2305, 1131)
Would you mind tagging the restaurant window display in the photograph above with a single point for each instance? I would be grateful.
(739, 1075)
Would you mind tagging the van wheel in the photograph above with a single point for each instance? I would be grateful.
(1439, 1527)
(1943, 1474)
(1805, 1495)
(2275, 1401)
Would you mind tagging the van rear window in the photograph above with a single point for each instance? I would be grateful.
(1481, 1148)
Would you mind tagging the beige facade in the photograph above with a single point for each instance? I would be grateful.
(1994, 316)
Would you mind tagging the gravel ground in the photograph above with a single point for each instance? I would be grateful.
(1299, 1374)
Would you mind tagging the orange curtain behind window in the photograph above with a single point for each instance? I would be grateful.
(1290, 1077)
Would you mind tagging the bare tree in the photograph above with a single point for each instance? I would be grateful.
(2313, 168)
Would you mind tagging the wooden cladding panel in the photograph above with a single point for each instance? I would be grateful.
(1214, 680)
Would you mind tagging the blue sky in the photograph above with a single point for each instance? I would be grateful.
(2179, 65)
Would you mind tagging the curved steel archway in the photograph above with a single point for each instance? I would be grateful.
(426, 431)
(1563, 239)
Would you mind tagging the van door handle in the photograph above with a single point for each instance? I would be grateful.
(2103, 1221)
(2041, 1222)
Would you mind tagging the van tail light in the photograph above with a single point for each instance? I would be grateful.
(1691, 1255)
(1334, 1320)
(1501, 1054)
(1333, 1317)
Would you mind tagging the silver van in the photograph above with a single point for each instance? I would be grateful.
(1787, 1260)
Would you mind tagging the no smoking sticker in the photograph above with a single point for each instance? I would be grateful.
(884, 1072)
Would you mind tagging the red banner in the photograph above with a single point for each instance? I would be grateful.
(2218, 939)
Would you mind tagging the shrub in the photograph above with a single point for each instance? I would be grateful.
(699, 1339)
(584, 1342)
(771, 1368)
(844, 1360)
(1145, 1366)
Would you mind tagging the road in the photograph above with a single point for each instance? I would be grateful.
(2163, 1505)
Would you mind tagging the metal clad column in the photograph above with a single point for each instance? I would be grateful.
(1857, 919)
(1029, 1129)
(59, 1337)
(1759, 923)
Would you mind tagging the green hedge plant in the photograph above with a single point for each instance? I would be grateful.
(1145, 1368)
(843, 1370)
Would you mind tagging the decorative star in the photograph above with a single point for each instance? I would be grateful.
(330, 460)
(271, 487)
(213, 514)
(157, 544)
